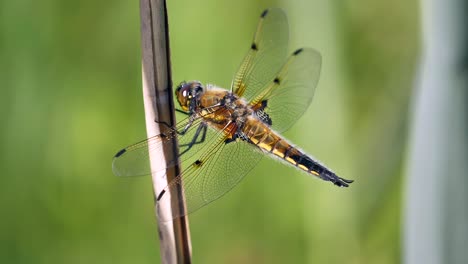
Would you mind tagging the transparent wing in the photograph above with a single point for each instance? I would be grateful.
(210, 175)
(286, 97)
(210, 166)
(267, 52)
(134, 160)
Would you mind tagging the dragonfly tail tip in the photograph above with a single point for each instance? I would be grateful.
(340, 182)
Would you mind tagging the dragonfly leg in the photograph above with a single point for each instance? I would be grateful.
(167, 124)
(183, 112)
(201, 130)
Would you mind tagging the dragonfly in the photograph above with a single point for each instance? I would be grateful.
(225, 133)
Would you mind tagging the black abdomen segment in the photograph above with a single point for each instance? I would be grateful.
(263, 137)
(305, 163)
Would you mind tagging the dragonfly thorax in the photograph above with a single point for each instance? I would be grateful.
(238, 108)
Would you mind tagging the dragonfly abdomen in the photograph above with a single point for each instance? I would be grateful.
(265, 138)
(294, 156)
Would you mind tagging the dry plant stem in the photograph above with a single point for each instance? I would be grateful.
(157, 92)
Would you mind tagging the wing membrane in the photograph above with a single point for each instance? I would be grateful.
(290, 92)
(267, 53)
(208, 177)
(284, 93)
(134, 160)
(210, 166)
(209, 169)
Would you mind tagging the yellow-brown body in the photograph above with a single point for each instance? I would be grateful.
(224, 111)
(238, 119)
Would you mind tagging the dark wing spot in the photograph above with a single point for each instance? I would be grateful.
(122, 151)
(254, 46)
(297, 51)
(264, 13)
(277, 80)
(229, 140)
(160, 195)
(197, 163)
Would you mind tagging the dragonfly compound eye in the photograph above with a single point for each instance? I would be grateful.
(184, 94)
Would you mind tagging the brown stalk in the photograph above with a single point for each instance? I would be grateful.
(158, 100)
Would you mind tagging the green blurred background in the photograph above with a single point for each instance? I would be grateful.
(71, 97)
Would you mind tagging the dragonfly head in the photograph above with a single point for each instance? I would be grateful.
(188, 93)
